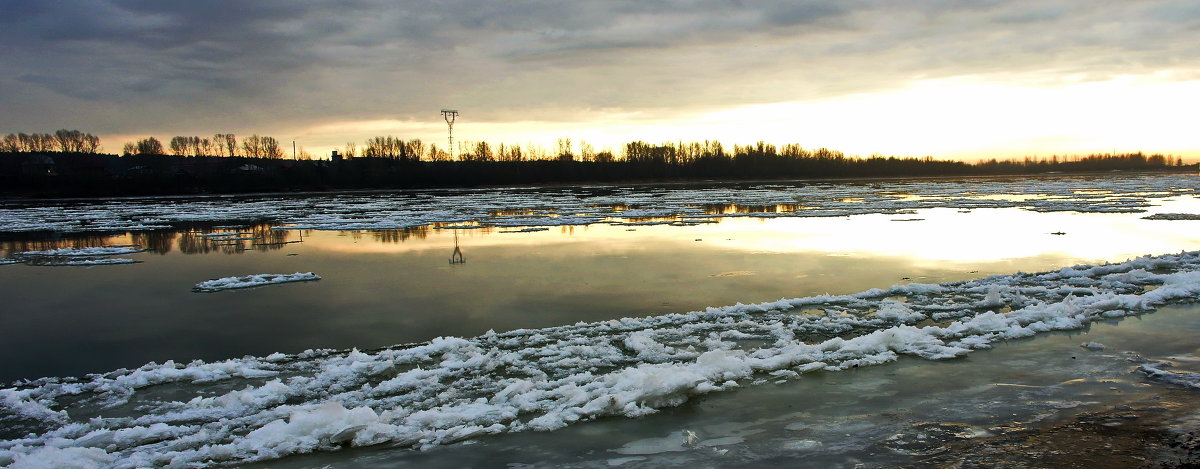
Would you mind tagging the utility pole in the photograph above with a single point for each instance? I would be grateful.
(293, 150)
(449, 115)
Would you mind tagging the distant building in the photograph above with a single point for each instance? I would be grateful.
(335, 156)
(38, 165)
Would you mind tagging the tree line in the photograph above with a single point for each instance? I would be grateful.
(254, 146)
(225, 163)
(66, 141)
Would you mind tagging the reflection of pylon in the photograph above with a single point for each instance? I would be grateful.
(457, 256)
(449, 115)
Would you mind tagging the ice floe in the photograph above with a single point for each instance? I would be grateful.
(86, 257)
(250, 281)
(1157, 372)
(1093, 346)
(452, 389)
(82, 252)
(1173, 216)
(87, 262)
(618, 205)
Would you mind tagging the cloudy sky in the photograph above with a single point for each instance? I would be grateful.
(948, 78)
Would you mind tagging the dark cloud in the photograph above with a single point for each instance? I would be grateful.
(267, 63)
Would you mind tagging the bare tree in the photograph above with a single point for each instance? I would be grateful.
(69, 141)
(270, 148)
(586, 151)
(414, 149)
(207, 147)
(252, 146)
(228, 142)
(10, 144)
(91, 144)
(350, 150)
(437, 154)
(178, 145)
(535, 152)
(483, 152)
(36, 142)
(149, 146)
(564, 149)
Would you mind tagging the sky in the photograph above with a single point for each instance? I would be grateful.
(956, 79)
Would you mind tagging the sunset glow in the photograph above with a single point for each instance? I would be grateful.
(1003, 80)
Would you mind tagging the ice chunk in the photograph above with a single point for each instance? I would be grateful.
(306, 429)
(82, 252)
(1173, 216)
(256, 280)
(50, 457)
(1093, 346)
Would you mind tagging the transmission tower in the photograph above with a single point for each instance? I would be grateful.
(449, 115)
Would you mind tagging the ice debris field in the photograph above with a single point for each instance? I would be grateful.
(620, 205)
(452, 389)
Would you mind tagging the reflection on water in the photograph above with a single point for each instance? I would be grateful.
(400, 236)
(9, 247)
(193, 240)
(729, 209)
(386, 287)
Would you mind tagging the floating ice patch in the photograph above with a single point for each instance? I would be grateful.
(1173, 216)
(256, 280)
(1156, 372)
(452, 389)
(83, 252)
(87, 262)
(1093, 346)
(226, 234)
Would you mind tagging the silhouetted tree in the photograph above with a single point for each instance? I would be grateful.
(564, 149)
(256, 146)
(178, 146)
(148, 146)
(74, 141)
(228, 142)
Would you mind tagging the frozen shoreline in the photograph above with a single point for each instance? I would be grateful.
(263, 408)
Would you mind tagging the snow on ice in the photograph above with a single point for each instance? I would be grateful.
(86, 257)
(452, 389)
(249, 281)
(82, 252)
(617, 205)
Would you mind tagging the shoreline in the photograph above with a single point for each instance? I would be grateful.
(1160, 431)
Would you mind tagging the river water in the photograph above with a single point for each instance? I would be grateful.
(383, 287)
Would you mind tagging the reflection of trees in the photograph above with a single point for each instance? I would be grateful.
(73, 241)
(725, 209)
(401, 235)
(190, 242)
(264, 239)
(269, 239)
(651, 219)
(160, 242)
(513, 212)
